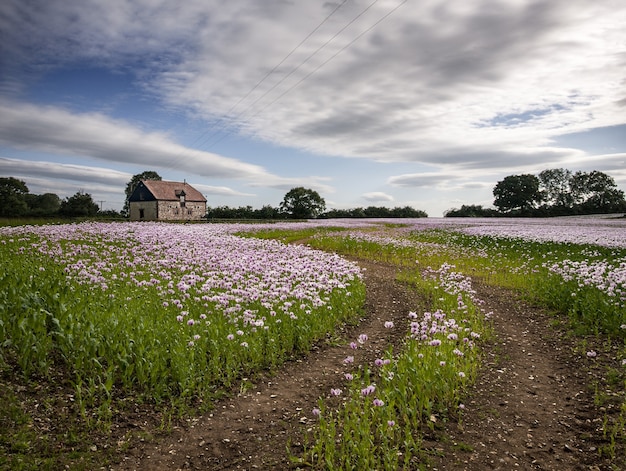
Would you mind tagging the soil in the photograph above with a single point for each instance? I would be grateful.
(532, 408)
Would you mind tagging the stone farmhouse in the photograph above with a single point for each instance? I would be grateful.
(155, 200)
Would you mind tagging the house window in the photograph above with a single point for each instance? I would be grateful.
(189, 211)
(141, 214)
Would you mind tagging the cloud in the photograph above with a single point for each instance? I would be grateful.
(420, 180)
(66, 179)
(377, 196)
(55, 130)
(218, 190)
(422, 79)
(70, 172)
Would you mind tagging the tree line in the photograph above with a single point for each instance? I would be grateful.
(17, 201)
(298, 203)
(553, 192)
(304, 203)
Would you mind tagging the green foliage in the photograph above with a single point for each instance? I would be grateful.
(376, 212)
(517, 192)
(471, 211)
(562, 193)
(302, 203)
(79, 205)
(12, 197)
(47, 204)
(243, 212)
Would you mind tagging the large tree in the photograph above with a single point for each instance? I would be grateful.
(79, 205)
(556, 187)
(13, 194)
(597, 192)
(517, 192)
(303, 203)
(132, 184)
(47, 204)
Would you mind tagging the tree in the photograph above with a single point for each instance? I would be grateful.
(132, 184)
(517, 192)
(471, 211)
(47, 204)
(597, 192)
(81, 204)
(303, 203)
(13, 197)
(555, 185)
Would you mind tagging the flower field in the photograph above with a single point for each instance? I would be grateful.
(174, 315)
(166, 312)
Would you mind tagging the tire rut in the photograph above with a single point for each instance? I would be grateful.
(255, 427)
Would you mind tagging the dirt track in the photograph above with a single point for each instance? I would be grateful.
(530, 409)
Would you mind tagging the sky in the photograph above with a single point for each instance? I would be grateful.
(422, 103)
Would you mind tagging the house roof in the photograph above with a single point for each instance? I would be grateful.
(170, 191)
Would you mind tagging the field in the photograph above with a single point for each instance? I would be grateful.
(117, 338)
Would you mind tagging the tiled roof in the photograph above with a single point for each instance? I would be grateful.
(170, 191)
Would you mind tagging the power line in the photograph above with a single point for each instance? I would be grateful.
(304, 78)
(264, 78)
(309, 57)
(380, 20)
(333, 56)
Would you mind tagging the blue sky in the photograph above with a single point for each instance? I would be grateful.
(378, 102)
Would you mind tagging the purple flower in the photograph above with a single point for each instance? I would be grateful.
(378, 362)
(354, 345)
(349, 376)
(335, 392)
(362, 338)
(378, 403)
(368, 390)
(316, 412)
(389, 325)
(591, 354)
(461, 374)
(391, 423)
(348, 360)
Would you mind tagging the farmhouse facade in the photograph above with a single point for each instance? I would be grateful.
(155, 200)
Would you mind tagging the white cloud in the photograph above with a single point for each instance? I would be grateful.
(72, 172)
(377, 196)
(218, 190)
(55, 130)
